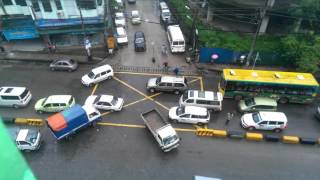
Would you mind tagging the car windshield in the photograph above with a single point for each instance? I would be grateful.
(114, 101)
(97, 99)
(32, 136)
(139, 40)
(119, 17)
(256, 117)
(135, 15)
(180, 110)
(158, 80)
(24, 94)
(166, 14)
(44, 101)
(249, 102)
(169, 140)
(91, 75)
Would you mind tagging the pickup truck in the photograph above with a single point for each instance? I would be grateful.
(162, 131)
(67, 122)
(27, 139)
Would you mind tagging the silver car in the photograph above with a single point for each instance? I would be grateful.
(64, 65)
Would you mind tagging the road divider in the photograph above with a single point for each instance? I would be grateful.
(290, 139)
(27, 121)
(255, 136)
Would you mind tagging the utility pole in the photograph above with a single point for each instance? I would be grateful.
(262, 13)
(105, 25)
(86, 41)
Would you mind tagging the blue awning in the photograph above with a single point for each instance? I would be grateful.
(21, 33)
(46, 23)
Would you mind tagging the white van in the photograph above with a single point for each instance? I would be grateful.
(163, 6)
(122, 37)
(14, 96)
(97, 74)
(176, 39)
(208, 99)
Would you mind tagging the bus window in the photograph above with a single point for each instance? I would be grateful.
(175, 43)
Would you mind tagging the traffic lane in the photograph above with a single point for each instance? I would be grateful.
(42, 83)
(108, 152)
(301, 121)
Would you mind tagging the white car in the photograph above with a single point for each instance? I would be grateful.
(97, 75)
(122, 37)
(276, 121)
(189, 114)
(105, 102)
(119, 19)
(135, 17)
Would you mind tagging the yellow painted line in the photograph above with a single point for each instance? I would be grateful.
(94, 89)
(147, 74)
(121, 125)
(106, 113)
(140, 100)
(139, 92)
(194, 80)
(139, 126)
(201, 83)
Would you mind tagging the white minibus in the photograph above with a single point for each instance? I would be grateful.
(176, 39)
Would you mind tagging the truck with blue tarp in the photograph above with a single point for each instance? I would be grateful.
(67, 122)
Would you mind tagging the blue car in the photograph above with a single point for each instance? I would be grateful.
(139, 41)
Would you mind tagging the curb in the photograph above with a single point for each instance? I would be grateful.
(286, 139)
(27, 121)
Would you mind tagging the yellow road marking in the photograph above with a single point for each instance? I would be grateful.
(94, 89)
(140, 126)
(194, 80)
(106, 113)
(139, 92)
(121, 125)
(201, 83)
(148, 74)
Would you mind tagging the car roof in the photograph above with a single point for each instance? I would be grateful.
(273, 116)
(175, 29)
(101, 68)
(121, 31)
(135, 12)
(22, 134)
(11, 90)
(265, 101)
(194, 110)
(163, 5)
(208, 95)
(58, 99)
(172, 79)
(106, 98)
(119, 14)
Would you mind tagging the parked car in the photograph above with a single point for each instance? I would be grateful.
(122, 38)
(257, 104)
(64, 65)
(135, 17)
(54, 103)
(207, 99)
(119, 19)
(264, 120)
(14, 96)
(317, 115)
(105, 102)
(139, 41)
(189, 114)
(174, 84)
(97, 74)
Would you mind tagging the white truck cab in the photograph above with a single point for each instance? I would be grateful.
(28, 139)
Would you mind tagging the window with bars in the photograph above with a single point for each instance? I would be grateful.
(7, 2)
(58, 4)
(21, 2)
(35, 6)
(46, 5)
(86, 4)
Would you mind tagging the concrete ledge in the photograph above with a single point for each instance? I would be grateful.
(8, 119)
(236, 134)
(204, 132)
(254, 136)
(310, 141)
(219, 133)
(21, 121)
(35, 122)
(272, 138)
(290, 139)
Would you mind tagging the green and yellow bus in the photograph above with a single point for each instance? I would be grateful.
(285, 87)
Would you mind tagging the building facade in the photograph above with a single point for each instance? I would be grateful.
(59, 21)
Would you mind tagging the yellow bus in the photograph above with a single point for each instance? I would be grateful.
(293, 87)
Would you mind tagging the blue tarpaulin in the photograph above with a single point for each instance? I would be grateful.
(218, 55)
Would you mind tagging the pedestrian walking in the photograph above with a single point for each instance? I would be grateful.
(229, 117)
(176, 71)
